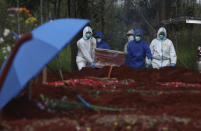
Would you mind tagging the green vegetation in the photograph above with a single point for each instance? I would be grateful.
(64, 104)
(65, 58)
(187, 56)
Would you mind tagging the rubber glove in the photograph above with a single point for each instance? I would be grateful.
(146, 66)
(172, 65)
(92, 65)
(148, 61)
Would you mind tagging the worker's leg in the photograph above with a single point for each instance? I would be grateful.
(80, 65)
(156, 64)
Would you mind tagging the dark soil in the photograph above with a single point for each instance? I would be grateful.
(146, 104)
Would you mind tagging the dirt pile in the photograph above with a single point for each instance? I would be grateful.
(146, 105)
(144, 75)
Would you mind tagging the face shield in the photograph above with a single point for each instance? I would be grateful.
(130, 37)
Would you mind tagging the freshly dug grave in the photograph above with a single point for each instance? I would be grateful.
(147, 99)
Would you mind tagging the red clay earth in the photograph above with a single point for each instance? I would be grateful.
(146, 104)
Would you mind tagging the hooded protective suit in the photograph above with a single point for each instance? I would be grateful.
(163, 51)
(86, 49)
(101, 44)
(137, 51)
(129, 34)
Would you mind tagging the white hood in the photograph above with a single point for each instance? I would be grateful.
(162, 29)
(130, 35)
(130, 32)
(86, 29)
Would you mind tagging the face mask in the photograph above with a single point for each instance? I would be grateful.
(98, 40)
(161, 37)
(137, 38)
(88, 35)
(130, 38)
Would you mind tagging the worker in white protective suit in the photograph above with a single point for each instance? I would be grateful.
(86, 49)
(163, 51)
(130, 36)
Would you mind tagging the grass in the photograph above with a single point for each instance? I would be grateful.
(65, 58)
(1, 58)
(188, 56)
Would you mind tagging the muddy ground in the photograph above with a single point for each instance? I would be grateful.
(148, 99)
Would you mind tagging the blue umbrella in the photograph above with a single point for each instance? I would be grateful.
(38, 49)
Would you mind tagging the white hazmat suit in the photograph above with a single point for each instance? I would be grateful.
(86, 49)
(163, 51)
(130, 37)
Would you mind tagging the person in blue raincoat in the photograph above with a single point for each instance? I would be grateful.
(137, 51)
(100, 43)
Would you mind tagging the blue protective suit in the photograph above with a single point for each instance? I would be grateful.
(137, 51)
(101, 44)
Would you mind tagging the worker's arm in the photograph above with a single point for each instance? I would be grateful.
(84, 52)
(148, 55)
(129, 54)
(173, 56)
(148, 51)
(152, 47)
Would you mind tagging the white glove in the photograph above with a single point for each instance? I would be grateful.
(148, 61)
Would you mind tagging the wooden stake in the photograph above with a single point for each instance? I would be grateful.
(44, 75)
(110, 71)
(44, 78)
(29, 91)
